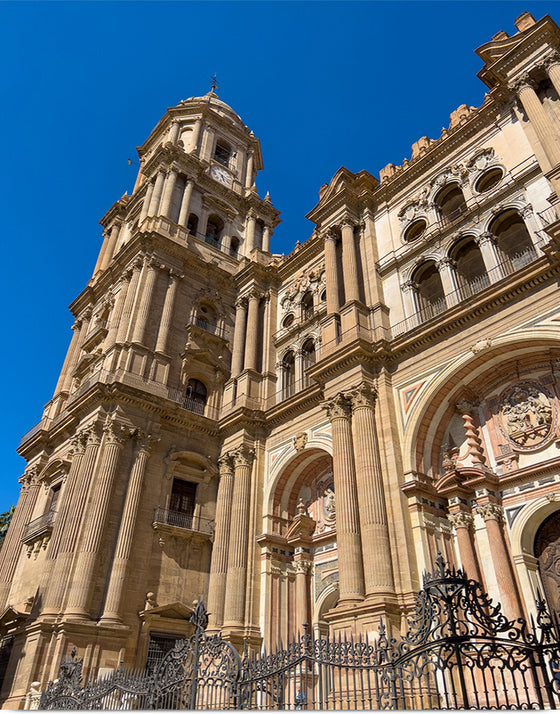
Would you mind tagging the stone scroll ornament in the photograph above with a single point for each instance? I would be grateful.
(527, 415)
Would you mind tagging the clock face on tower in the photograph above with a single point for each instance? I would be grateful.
(221, 175)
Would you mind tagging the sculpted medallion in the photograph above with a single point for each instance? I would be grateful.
(526, 415)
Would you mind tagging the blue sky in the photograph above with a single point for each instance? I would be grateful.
(322, 84)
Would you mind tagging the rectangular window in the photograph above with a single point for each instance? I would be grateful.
(158, 647)
(181, 504)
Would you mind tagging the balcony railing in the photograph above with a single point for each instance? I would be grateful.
(208, 327)
(188, 521)
(38, 526)
(467, 289)
(218, 244)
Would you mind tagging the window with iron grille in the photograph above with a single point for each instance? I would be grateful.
(159, 645)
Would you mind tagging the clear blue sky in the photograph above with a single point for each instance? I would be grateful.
(322, 84)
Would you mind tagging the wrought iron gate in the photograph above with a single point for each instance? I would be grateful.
(460, 652)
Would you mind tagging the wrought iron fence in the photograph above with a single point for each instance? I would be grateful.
(460, 652)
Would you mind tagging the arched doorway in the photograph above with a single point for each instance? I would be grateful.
(547, 552)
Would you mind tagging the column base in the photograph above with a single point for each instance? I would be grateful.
(240, 636)
(365, 617)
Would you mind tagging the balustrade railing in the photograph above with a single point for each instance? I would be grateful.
(189, 521)
(38, 526)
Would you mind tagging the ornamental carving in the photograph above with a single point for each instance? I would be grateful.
(526, 415)
(300, 441)
(461, 520)
(491, 512)
(481, 160)
(338, 407)
(329, 504)
(310, 281)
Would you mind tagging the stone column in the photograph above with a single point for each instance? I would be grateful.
(350, 561)
(267, 231)
(249, 174)
(124, 322)
(102, 253)
(409, 290)
(207, 142)
(174, 130)
(167, 312)
(95, 520)
(65, 544)
(123, 550)
(219, 566)
(238, 551)
(155, 199)
(139, 334)
(376, 548)
(111, 245)
(65, 379)
(146, 203)
(302, 567)
(331, 272)
(195, 136)
(185, 203)
(463, 522)
(493, 515)
(117, 312)
(489, 251)
(349, 262)
(538, 117)
(447, 273)
(11, 550)
(239, 330)
(252, 340)
(467, 410)
(167, 199)
(250, 232)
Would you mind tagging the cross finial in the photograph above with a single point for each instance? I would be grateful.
(214, 84)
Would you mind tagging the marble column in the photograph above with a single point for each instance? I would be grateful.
(124, 322)
(65, 379)
(238, 550)
(302, 567)
(167, 312)
(249, 174)
(493, 515)
(11, 550)
(250, 232)
(349, 262)
(111, 245)
(267, 231)
(155, 199)
(146, 203)
(463, 522)
(117, 311)
(219, 566)
(123, 549)
(348, 538)
(95, 520)
(537, 115)
(167, 198)
(185, 203)
(65, 546)
(140, 331)
(239, 331)
(489, 251)
(252, 340)
(331, 272)
(376, 548)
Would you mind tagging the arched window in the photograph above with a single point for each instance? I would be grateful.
(214, 228)
(513, 241)
(288, 374)
(430, 295)
(222, 152)
(450, 203)
(206, 317)
(196, 396)
(307, 359)
(288, 320)
(192, 224)
(469, 268)
(307, 306)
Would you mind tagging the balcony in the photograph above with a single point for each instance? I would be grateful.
(208, 327)
(466, 290)
(182, 524)
(38, 527)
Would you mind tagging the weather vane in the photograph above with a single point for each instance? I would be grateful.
(214, 84)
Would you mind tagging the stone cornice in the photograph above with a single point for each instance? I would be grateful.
(301, 256)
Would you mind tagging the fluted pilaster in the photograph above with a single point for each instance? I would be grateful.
(167, 312)
(139, 334)
(252, 341)
(124, 322)
(239, 332)
(331, 273)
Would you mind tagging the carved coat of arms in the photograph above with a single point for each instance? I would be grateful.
(526, 415)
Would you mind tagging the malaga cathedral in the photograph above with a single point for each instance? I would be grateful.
(295, 438)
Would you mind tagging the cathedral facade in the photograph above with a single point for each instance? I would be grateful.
(295, 438)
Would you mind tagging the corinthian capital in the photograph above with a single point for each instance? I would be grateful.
(364, 395)
(115, 433)
(491, 512)
(521, 83)
(225, 465)
(339, 407)
(146, 442)
(243, 456)
(461, 520)
(551, 60)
